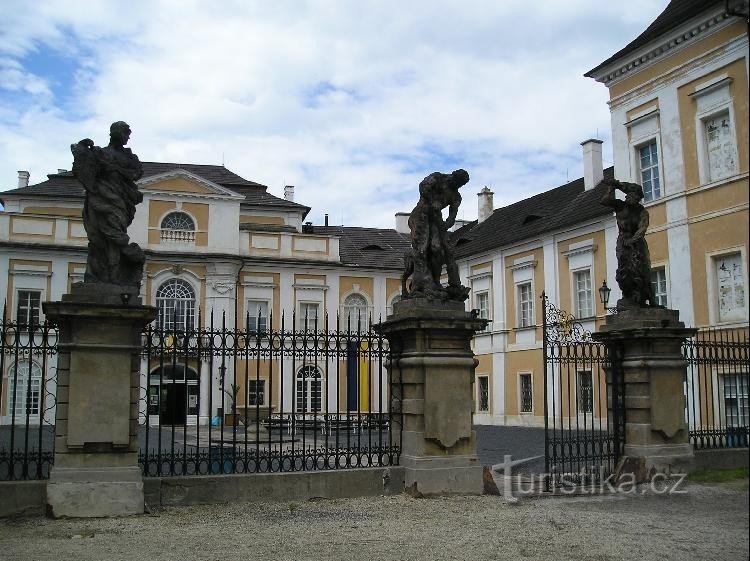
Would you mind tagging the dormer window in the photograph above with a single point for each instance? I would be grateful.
(178, 227)
(372, 247)
(531, 218)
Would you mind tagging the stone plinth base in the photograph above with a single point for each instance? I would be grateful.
(440, 475)
(96, 471)
(647, 365)
(432, 375)
(91, 493)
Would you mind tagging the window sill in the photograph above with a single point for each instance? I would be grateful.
(525, 328)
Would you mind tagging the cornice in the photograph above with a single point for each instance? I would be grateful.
(657, 50)
(218, 189)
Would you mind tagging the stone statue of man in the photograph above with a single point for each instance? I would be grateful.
(633, 260)
(431, 243)
(108, 176)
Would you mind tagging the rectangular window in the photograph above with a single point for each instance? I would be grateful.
(308, 316)
(583, 296)
(256, 392)
(526, 394)
(483, 394)
(659, 285)
(720, 146)
(483, 304)
(525, 305)
(730, 287)
(29, 305)
(648, 159)
(585, 392)
(736, 406)
(257, 315)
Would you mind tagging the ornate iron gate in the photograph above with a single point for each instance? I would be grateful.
(584, 417)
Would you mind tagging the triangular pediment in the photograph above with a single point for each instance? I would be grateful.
(185, 182)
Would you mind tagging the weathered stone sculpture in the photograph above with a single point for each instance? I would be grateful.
(431, 243)
(108, 175)
(633, 260)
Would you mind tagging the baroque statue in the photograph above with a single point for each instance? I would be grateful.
(108, 175)
(432, 246)
(633, 260)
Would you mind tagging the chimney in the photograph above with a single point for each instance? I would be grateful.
(486, 206)
(326, 220)
(60, 170)
(402, 222)
(593, 170)
(289, 192)
(23, 178)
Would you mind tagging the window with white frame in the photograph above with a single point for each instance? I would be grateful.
(257, 315)
(720, 147)
(648, 166)
(308, 316)
(178, 221)
(583, 295)
(482, 303)
(175, 300)
(735, 395)
(730, 287)
(525, 393)
(256, 392)
(525, 298)
(309, 390)
(483, 394)
(585, 389)
(24, 388)
(355, 313)
(659, 285)
(28, 306)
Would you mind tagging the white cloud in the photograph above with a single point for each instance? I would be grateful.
(351, 102)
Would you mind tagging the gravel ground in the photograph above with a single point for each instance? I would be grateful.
(708, 522)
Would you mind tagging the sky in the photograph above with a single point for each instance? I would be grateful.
(352, 102)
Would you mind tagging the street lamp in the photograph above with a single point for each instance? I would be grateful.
(604, 292)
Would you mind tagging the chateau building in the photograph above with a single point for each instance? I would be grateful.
(216, 242)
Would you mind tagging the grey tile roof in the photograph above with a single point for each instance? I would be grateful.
(368, 247)
(66, 186)
(675, 14)
(557, 208)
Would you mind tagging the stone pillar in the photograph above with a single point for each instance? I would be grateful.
(647, 344)
(432, 372)
(96, 471)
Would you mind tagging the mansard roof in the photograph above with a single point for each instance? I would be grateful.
(677, 13)
(368, 247)
(558, 208)
(64, 185)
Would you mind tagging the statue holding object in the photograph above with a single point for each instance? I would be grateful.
(432, 246)
(108, 175)
(633, 260)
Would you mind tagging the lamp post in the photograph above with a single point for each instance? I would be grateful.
(604, 292)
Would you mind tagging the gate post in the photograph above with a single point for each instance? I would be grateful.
(432, 371)
(96, 470)
(647, 345)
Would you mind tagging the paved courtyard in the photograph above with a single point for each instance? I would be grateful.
(708, 522)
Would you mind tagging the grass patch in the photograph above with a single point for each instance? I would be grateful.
(718, 475)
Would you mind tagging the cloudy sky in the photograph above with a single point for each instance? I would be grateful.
(353, 102)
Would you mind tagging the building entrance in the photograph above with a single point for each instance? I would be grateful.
(173, 394)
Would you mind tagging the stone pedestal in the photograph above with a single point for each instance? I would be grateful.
(432, 374)
(646, 343)
(96, 470)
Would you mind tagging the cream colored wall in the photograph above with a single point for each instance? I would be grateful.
(511, 320)
(522, 362)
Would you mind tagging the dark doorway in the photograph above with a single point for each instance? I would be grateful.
(174, 404)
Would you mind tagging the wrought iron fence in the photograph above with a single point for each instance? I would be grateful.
(583, 411)
(28, 380)
(294, 396)
(716, 387)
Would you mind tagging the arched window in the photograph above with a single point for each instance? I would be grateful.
(178, 227)
(178, 221)
(309, 390)
(175, 300)
(355, 312)
(24, 388)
